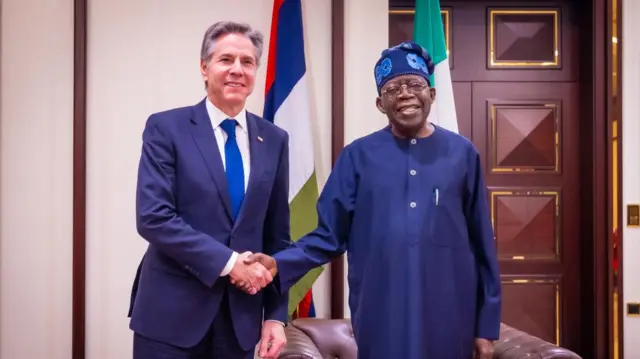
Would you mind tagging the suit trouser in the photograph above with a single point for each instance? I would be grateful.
(220, 342)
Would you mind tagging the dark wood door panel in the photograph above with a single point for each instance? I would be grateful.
(538, 205)
(462, 95)
(527, 225)
(514, 41)
(534, 305)
(527, 134)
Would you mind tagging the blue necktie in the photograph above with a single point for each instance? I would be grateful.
(233, 164)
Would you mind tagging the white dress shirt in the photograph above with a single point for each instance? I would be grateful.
(242, 138)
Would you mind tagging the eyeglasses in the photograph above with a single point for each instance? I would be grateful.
(412, 87)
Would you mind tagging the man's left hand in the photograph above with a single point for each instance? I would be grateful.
(483, 349)
(272, 340)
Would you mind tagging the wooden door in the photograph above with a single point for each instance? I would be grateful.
(516, 85)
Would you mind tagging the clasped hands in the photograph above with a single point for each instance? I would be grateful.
(253, 271)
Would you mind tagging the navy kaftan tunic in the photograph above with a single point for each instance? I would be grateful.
(412, 215)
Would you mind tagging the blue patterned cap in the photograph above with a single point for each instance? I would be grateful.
(407, 58)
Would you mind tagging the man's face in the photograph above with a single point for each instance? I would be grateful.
(406, 100)
(231, 71)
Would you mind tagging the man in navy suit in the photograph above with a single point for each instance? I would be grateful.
(213, 185)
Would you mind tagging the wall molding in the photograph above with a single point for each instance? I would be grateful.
(337, 137)
(79, 177)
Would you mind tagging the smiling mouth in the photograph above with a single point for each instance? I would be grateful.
(234, 84)
(408, 109)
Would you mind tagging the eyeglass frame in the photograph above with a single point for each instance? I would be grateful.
(413, 86)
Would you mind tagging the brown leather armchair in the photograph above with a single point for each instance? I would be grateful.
(333, 338)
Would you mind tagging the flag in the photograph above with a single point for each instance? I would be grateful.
(305, 309)
(428, 32)
(287, 105)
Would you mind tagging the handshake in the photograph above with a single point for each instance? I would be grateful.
(253, 271)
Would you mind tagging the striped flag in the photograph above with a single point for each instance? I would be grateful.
(428, 31)
(305, 309)
(287, 105)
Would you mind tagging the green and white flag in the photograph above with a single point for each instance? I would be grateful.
(428, 31)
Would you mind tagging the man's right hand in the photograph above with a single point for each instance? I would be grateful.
(267, 261)
(257, 259)
(253, 276)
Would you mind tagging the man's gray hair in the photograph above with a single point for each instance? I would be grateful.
(229, 27)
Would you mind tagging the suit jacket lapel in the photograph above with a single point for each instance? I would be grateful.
(257, 154)
(205, 139)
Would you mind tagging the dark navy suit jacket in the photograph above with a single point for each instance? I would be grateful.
(183, 211)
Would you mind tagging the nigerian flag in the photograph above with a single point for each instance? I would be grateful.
(287, 104)
(428, 31)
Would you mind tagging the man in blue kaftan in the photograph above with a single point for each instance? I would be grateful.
(408, 204)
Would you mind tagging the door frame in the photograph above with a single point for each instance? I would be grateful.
(614, 111)
(597, 341)
(595, 85)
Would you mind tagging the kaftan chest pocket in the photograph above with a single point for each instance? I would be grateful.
(445, 224)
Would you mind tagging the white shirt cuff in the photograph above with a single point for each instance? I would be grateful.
(276, 321)
(232, 261)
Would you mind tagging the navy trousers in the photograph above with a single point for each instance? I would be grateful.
(219, 343)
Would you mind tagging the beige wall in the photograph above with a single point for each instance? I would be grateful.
(363, 44)
(630, 169)
(36, 179)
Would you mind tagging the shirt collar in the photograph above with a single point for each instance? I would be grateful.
(217, 116)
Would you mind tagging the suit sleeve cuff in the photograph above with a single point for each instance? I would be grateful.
(232, 261)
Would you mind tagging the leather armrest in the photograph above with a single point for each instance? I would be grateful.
(299, 345)
(332, 337)
(515, 344)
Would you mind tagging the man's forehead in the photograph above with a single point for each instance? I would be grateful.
(234, 52)
(235, 45)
